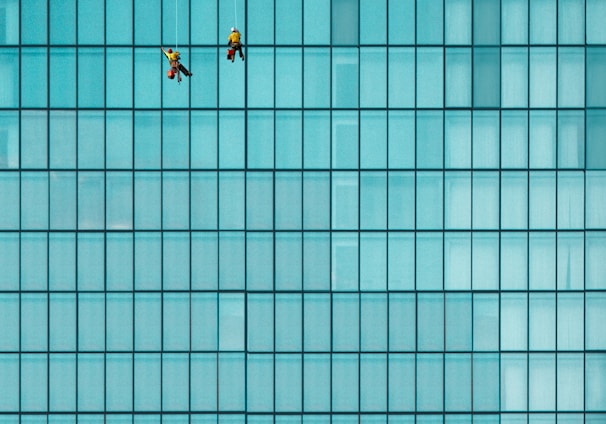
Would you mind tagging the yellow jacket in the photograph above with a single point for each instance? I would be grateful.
(234, 37)
(172, 57)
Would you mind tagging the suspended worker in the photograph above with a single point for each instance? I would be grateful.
(175, 66)
(235, 44)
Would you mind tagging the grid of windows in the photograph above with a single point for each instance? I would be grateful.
(392, 211)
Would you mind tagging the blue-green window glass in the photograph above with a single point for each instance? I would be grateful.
(571, 139)
(260, 379)
(62, 261)
(514, 77)
(91, 321)
(458, 322)
(430, 22)
(458, 77)
(259, 261)
(596, 144)
(594, 368)
(62, 81)
(34, 82)
(429, 200)
(34, 307)
(344, 192)
(514, 136)
(571, 21)
(34, 262)
(90, 22)
(373, 195)
(289, 261)
(514, 261)
(175, 23)
(288, 200)
(147, 21)
(542, 261)
(514, 200)
(260, 29)
(260, 139)
(595, 13)
(289, 320)
(569, 381)
(231, 266)
(288, 77)
(175, 261)
(9, 194)
(570, 200)
(259, 201)
(542, 136)
(457, 139)
(316, 200)
(34, 21)
(485, 139)
(316, 77)
(401, 139)
(430, 139)
(118, 382)
(543, 22)
(260, 84)
(514, 382)
(373, 20)
(542, 81)
(204, 91)
(316, 22)
(231, 139)
(345, 77)
(345, 140)
(485, 322)
(119, 325)
(373, 379)
(204, 272)
(594, 266)
(542, 200)
(457, 261)
(62, 322)
(289, 21)
(147, 378)
(344, 261)
(486, 26)
(115, 94)
(401, 76)
(119, 28)
(204, 387)
(514, 21)
(373, 249)
(541, 382)
(400, 261)
(204, 128)
(147, 84)
(458, 17)
(90, 262)
(485, 381)
(595, 216)
(288, 143)
(570, 261)
(62, 382)
(63, 200)
(316, 319)
(457, 382)
(62, 22)
(430, 368)
(373, 68)
(345, 382)
(401, 21)
(62, 140)
(34, 139)
(345, 22)
(486, 77)
(34, 200)
(401, 368)
(91, 201)
(457, 199)
(91, 139)
(148, 260)
(571, 77)
(430, 91)
(316, 382)
(429, 265)
(34, 380)
(485, 261)
(542, 321)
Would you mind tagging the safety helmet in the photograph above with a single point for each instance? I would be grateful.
(233, 29)
(169, 50)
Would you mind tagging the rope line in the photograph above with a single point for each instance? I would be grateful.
(236, 13)
(176, 25)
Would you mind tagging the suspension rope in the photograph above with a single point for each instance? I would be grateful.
(176, 25)
(236, 13)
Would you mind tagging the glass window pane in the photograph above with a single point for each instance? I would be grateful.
(316, 67)
(542, 261)
(373, 200)
(458, 77)
(429, 200)
(345, 78)
(542, 22)
(486, 77)
(514, 200)
(485, 139)
(514, 261)
(596, 13)
(457, 22)
(595, 316)
(542, 321)
(514, 21)
(485, 260)
(231, 321)
(288, 322)
(430, 382)
(344, 261)
(457, 382)
(232, 260)
(400, 261)
(595, 213)
(401, 70)
(457, 134)
(288, 261)
(62, 261)
(345, 22)
(543, 76)
(485, 200)
(316, 262)
(514, 77)
(514, 325)
(430, 136)
(571, 21)
(486, 22)
(62, 139)
(259, 261)
(373, 69)
(514, 382)
(542, 200)
(259, 382)
(429, 263)
(430, 64)
(457, 261)
(458, 322)
(345, 322)
(571, 139)
(570, 387)
(596, 147)
(288, 191)
(63, 200)
(373, 261)
(485, 382)
(34, 139)
(34, 82)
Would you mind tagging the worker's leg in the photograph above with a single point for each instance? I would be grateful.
(184, 70)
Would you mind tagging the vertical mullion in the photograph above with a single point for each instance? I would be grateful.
(105, 205)
(189, 353)
(77, 118)
(133, 219)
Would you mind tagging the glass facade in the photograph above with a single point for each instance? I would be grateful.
(394, 211)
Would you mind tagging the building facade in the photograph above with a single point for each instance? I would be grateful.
(393, 211)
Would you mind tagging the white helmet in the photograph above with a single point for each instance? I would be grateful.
(233, 29)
